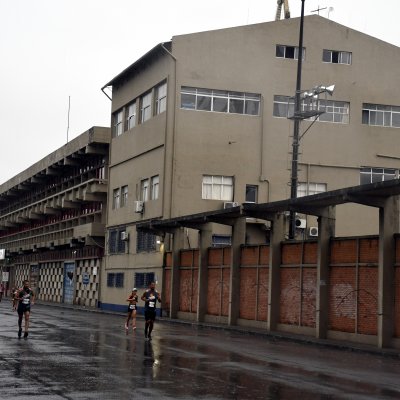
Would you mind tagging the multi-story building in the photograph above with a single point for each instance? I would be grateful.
(201, 121)
(52, 221)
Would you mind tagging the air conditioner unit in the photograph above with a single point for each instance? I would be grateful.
(138, 206)
(124, 236)
(301, 223)
(313, 231)
(231, 204)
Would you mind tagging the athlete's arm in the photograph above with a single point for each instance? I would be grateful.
(144, 296)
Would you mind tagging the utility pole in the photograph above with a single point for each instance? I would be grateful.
(296, 129)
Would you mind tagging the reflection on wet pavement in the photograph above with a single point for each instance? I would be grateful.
(85, 355)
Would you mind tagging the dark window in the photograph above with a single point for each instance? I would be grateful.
(110, 280)
(119, 279)
(115, 242)
(221, 240)
(145, 242)
(251, 193)
(143, 279)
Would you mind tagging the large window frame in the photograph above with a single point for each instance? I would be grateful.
(160, 93)
(310, 188)
(376, 174)
(289, 52)
(124, 196)
(334, 111)
(145, 242)
(130, 115)
(118, 126)
(220, 101)
(336, 57)
(115, 243)
(154, 187)
(116, 204)
(381, 115)
(145, 107)
(217, 187)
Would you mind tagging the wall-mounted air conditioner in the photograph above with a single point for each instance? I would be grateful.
(301, 223)
(124, 236)
(231, 204)
(313, 231)
(138, 206)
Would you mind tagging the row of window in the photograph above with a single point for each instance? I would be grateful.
(140, 110)
(142, 279)
(328, 56)
(149, 190)
(339, 111)
(117, 241)
(220, 101)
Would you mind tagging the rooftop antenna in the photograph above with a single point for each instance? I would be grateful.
(285, 5)
(330, 9)
(69, 107)
(319, 9)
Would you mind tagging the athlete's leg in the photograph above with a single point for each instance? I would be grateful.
(127, 320)
(134, 319)
(151, 324)
(27, 314)
(20, 316)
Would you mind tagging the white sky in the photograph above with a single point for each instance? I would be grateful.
(53, 49)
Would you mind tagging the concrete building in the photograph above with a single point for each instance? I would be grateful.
(200, 123)
(52, 221)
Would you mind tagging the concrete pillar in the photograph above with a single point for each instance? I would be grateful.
(277, 235)
(205, 242)
(238, 239)
(177, 245)
(326, 230)
(388, 225)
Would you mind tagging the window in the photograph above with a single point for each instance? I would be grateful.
(372, 175)
(251, 193)
(145, 107)
(115, 242)
(161, 98)
(220, 101)
(144, 189)
(304, 189)
(115, 279)
(283, 51)
(221, 240)
(130, 113)
(124, 196)
(334, 111)
(381, 115)
(117, 124)
(143, 279)
(145, 242)
(116, 199)
(154, 186)
(216, 187)
(336, 57)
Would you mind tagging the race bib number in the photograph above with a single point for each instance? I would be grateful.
(25, 301)
(152, 304)
(131, 306)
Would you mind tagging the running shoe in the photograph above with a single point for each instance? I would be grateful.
(25, 335)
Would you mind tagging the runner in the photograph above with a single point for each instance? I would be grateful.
(23, 300)
(132, 299)
(150, 298)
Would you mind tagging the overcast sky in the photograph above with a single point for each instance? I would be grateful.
(53, 49)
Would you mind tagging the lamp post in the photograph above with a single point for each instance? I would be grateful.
(296, 129)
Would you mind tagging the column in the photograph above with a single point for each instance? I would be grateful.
(388, 225)
(238, 239)
(177, 245)
(205, 242)
(326, 230)
(277, 235)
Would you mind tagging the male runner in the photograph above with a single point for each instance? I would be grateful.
(22, 303)
(132, 299)
(150, 298)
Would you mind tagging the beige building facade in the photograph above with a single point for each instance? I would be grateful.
(200, 123)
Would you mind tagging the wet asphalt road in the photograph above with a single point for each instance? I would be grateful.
(72, 354)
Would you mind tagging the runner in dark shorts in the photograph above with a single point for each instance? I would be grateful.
(132, 299)
(150, 298)
(23, 300)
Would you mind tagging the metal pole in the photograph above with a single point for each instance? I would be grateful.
(296, 129)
